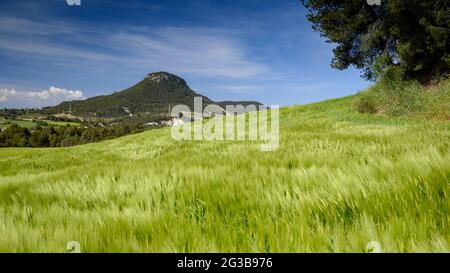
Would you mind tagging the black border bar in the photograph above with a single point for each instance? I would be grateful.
(227, 262)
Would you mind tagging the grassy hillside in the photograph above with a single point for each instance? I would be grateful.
(339, 180)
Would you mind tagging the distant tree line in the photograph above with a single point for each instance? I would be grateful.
(16, 136)
(62, 119)
(13, 113)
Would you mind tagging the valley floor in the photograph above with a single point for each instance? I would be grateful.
(339, 180)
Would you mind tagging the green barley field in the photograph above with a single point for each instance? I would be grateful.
(23, 123)
(32, 124)
(339, 180)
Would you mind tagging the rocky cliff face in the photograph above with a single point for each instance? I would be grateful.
(165, 77)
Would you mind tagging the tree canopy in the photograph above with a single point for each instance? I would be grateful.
(412, 35)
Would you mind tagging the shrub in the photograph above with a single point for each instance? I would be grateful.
(41, 123)
(393, 97)
(366, 103)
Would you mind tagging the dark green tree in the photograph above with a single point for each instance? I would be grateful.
(15, 136)
(39, 138)
(412, 35)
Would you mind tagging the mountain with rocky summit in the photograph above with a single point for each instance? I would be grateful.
(152, 97)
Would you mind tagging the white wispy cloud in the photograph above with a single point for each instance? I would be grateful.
(52, 96)
(24, 26)
(206, 52)
(244, 88)
(197, 51)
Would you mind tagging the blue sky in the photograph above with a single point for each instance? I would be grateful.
(261, 50)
